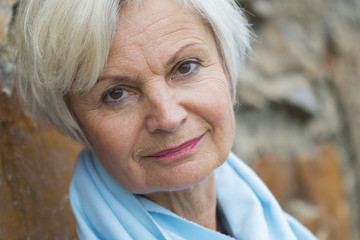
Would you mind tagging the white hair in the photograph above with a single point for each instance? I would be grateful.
(62, 46)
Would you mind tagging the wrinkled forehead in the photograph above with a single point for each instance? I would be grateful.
(147, 16)
(133, 17)
(154, 30)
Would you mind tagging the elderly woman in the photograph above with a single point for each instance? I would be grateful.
(148, 88)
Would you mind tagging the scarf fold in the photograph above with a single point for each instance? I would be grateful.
(103, 209)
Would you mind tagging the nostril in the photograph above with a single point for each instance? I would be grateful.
(167, 119)
(164, 110)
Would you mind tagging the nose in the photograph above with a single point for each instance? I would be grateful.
(165, 112)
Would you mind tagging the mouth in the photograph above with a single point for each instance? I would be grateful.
(179, 150)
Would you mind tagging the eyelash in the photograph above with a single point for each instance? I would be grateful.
(113, 90)
(191, 71)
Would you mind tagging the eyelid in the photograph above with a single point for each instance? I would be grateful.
(108, 91)
(189, 60)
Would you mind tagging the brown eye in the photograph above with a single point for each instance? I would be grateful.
(115, 94)
(186, 68)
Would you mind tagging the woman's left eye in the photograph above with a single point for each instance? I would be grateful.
(187, 67)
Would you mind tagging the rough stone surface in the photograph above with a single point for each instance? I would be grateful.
(35, 170)
(311, 187)
(298, 116)
(35, 162)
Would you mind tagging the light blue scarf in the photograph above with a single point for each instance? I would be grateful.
(105, 210)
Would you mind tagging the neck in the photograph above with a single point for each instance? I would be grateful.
(197, 203)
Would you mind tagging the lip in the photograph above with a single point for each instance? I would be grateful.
(178, 151)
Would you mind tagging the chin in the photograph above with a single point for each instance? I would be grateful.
(184, 176)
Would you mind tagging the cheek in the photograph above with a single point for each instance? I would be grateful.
(112, 135)
(217, 104)
(221, 117)
(214, 105)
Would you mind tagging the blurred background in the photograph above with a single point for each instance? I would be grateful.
(298, 120)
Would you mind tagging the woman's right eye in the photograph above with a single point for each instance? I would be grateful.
(114, 95)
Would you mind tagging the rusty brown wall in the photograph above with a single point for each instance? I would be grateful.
(35, 163)
(35, 170)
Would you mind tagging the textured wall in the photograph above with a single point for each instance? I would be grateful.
(35, 170)
(35, 163)
(299, 113)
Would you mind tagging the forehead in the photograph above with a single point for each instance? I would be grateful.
(147, 15)
(153, 26)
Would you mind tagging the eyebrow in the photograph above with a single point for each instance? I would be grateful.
(177, 53)
(169, 63)
(117, 78)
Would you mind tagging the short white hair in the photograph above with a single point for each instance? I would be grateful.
(62, 46)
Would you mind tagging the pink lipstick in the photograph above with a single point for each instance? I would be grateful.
(177, 151)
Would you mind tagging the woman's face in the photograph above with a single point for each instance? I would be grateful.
(160, 116)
